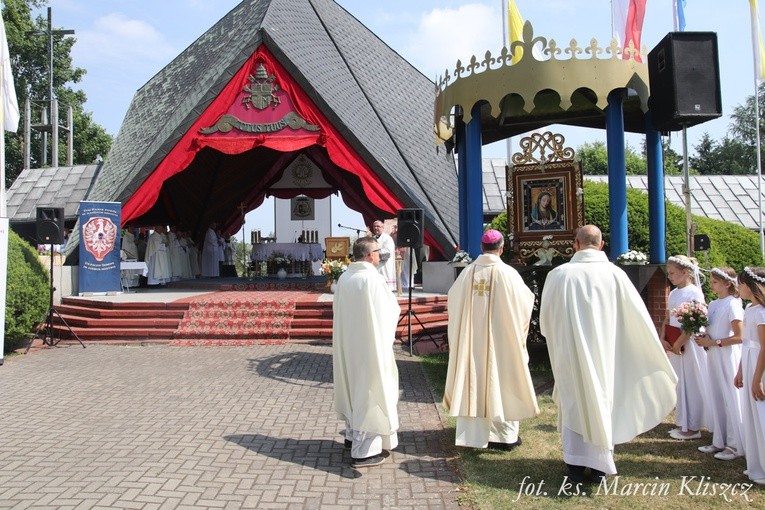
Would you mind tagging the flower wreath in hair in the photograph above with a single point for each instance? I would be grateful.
(755, 277)
(718, 273)
(687, 264)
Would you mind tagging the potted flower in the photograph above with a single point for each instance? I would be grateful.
(632, 257)
(281, 262)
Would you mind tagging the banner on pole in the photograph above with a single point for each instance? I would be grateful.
(100, 247)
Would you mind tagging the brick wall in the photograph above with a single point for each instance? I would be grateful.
(657, 295)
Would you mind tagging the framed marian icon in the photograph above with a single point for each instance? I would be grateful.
(544, 198)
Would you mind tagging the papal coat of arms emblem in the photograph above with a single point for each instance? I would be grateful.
(262, 90)
(99, 236)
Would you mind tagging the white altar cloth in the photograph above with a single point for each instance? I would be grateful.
(296, 251)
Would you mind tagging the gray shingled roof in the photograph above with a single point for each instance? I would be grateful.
(50, 187)
(376, 100)
(731, 198)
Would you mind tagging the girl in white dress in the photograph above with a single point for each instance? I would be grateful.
(751, 285)
(688, 359)
(722, 340)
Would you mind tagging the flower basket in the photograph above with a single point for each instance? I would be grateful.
(633, 258)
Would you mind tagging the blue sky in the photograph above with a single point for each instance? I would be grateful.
(123, 43)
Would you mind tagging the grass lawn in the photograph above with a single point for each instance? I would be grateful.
(655, 471)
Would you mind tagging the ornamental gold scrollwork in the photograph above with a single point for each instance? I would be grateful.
(542, 143)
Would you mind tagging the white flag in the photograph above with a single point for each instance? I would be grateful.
(9, 102)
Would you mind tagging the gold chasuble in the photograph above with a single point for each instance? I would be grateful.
(488, 376)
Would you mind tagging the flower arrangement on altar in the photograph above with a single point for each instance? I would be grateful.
(632, 257)
(461, 257)
(280, 260)
(692, 316)
(332, 269)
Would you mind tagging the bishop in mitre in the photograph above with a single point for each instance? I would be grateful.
(613, 380)
(488, 384)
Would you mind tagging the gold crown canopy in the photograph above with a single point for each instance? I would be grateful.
(533, 93)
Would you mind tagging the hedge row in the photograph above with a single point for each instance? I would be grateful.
(27, 292)
(731, 245)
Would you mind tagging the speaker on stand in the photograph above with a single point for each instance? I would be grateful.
(49, 227)
(410, 234)
(684, 76)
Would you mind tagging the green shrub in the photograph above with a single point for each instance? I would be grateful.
(27, 293)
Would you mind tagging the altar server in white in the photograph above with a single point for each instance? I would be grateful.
(612, 378)
(210, 258)
(365, 314)
(387, 264)
(158, 257)
(488, 384)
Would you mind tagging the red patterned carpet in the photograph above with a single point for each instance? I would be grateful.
(240, 317)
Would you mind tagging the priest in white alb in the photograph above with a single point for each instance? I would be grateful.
(387, 265)
(488, 384)
(613, 380)
(365, 315)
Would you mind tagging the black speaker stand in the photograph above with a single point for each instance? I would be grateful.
(46, 328)
(411, 313)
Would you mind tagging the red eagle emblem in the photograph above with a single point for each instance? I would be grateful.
(99, 236)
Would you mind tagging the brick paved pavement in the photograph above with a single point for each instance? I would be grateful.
(222, 427)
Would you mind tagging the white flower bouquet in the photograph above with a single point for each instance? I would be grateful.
(632, 257)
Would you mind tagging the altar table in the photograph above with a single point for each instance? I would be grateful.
(300, 252)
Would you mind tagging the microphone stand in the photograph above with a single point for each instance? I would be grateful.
(357, 230)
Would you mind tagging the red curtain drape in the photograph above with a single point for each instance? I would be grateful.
(236, 142)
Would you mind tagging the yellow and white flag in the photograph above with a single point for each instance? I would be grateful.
(757, 47)
(515, 26)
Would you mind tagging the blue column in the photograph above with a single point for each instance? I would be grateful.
(657, 231)
(473, 185)
(617, 173)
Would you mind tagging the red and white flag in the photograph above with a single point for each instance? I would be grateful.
(627, 17)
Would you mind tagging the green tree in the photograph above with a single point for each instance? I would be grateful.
(29, 63)
(594, 157)
(728, 157)
(743, 130)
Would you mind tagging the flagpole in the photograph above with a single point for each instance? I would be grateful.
(759, 155)
(757, 66)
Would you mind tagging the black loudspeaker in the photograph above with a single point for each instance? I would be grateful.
(701, 242)
(411, 228)
(50, 225)
(684, 75)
